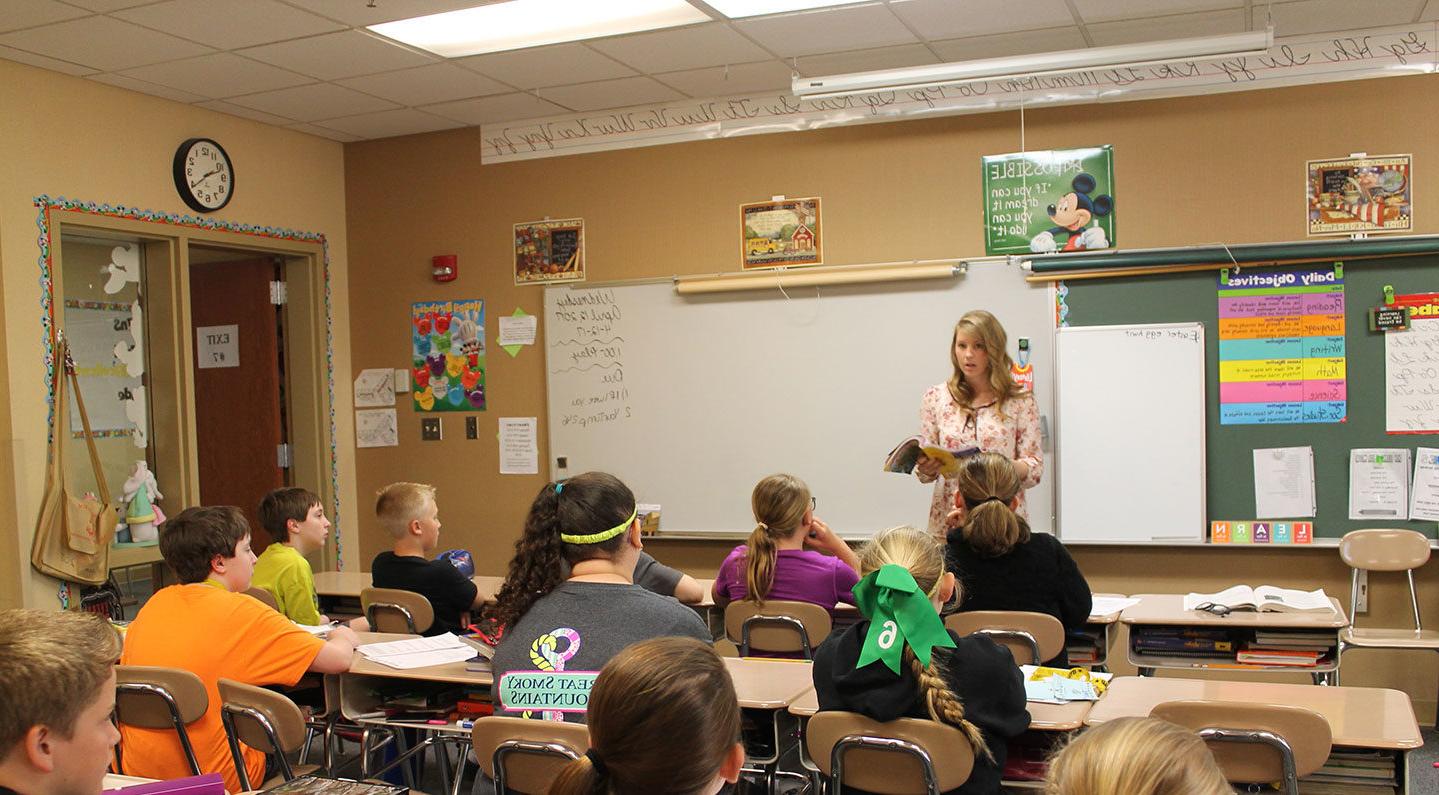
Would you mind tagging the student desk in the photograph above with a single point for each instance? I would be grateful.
(766, 689)
(844, 614)
(1099, 628)
(339, 591)
(1166, 611)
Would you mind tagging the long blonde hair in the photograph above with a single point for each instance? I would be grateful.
(923, 556)
(779, 503)
(987, 484)
(1136, 756)
(983, 326)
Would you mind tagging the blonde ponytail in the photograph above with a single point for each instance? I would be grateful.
(988, 484)
(578, 777)
(943, 705)
(760, 558)
(779, 503)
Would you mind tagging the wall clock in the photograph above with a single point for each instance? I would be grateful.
(204, 175)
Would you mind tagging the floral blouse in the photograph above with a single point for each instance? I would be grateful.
(1014, 434)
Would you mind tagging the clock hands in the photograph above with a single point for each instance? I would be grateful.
(207, 176)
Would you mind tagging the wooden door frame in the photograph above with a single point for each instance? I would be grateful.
(170, 339)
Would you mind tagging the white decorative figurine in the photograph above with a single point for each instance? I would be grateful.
(139, 494)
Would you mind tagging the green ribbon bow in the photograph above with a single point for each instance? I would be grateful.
(899, 614)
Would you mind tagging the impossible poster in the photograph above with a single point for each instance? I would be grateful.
(1047, 202)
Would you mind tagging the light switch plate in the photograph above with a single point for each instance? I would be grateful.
(430, 429)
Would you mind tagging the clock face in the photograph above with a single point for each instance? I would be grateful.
(204, 176)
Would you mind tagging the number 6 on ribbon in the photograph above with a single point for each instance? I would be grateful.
(887, 634)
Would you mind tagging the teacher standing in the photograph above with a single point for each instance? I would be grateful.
(979, 406)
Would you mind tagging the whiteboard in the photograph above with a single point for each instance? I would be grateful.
(1130, 432)
(692, 399)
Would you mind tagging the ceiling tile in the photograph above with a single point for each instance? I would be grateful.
(312, 102)
(827, 30)
(389, 123)
(1323, 16)
(945, 19)
(336, 55)
(1178, 26)
(20, 56)
(324, 132)
(15, 14)
(1003, 44)
(220, 75)
(143, 87)
(106, 6)
(866, 60)
(538, 67)
(620, 93)
(1110, 10)
(505, 107)
(745, 78)
(221, 106)
(424, 85)
(358, 13)
(711, 44)
(103, 43)
(227, 24)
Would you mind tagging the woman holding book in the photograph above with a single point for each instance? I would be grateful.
(979, 406)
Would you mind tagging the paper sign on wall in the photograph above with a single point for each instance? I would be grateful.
(519, 453)
(217, 346)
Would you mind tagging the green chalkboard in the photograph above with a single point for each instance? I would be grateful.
(1170, 298)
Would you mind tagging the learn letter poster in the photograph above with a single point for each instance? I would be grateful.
(1281, 346)
(1047, 202)
(448, 355)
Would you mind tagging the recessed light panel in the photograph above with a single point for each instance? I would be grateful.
(734, 9)
(517, 24)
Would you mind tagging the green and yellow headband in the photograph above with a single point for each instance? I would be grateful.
(900, 615)
(603, 535)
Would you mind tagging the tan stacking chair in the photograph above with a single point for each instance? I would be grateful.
(394, 610)
(1256, 743)
(526, 755)
(263, 595)
(900, 757)
(776, 626)
(150, 697)
(266, 721)
(1031, 637)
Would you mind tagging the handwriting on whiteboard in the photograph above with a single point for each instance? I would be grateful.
(587, 349)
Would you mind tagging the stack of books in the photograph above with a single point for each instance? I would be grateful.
(1082, 646)
(1184, 641)
(1293, 648)
(1353, 772)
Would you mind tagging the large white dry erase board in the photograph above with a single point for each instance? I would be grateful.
(1130, 432)
(691, 400)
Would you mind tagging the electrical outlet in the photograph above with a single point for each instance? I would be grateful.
(1361, 601)
(430, 429)
(472, 427)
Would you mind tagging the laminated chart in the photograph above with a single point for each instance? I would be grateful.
(1281, 346)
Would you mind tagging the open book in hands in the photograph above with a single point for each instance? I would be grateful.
(1265, 599)
(905, 456)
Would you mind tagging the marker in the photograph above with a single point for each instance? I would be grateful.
(437, 722)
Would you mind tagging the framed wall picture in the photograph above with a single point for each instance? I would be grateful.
(1360, 194)
(780, 233)
(550, 251)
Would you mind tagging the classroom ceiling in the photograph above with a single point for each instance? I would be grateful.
(310, 65)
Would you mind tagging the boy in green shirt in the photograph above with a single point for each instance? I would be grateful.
(296, 521)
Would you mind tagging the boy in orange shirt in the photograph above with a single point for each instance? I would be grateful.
(206, 626)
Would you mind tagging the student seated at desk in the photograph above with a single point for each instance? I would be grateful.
(295, 519)
(1136, 756)
(901, 662)
(999, 563)
(652, 575)
(782, 559)
(408, 512)
(57, 688)
(205, 625)
(663, 720)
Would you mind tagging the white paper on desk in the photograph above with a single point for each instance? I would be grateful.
(1379, 483)
(1108, 605)
(389, 648)
(517, 330)
(422, 659)
(519, 452)
(1424, 496)
(1057, 689)
(1283, 482)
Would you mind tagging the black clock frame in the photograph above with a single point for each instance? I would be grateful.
(182, 184)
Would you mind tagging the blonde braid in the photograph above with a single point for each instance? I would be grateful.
(943, 705)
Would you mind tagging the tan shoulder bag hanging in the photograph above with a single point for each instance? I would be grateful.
(72, 534)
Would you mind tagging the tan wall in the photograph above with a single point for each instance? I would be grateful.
(1193, 170)
(66, 136)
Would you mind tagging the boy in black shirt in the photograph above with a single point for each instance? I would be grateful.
(408, 512)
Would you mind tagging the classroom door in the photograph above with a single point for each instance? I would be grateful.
(239, 380)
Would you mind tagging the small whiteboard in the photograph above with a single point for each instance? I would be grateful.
(1129, 442)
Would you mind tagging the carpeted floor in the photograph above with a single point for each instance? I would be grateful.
(1421, 775)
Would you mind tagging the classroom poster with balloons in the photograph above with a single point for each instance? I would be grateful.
(447, 367)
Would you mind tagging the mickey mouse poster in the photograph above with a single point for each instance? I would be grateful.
(1049, 202)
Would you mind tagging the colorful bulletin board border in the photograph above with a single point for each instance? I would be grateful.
(448, 349)
(1360, 194)
(1048, 201)
(1260, 531)
(47, 205)
(782, 233)
(548, 251)
(1281, 346)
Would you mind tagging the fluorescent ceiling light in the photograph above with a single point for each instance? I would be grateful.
(734, 9)
(515, 24)
(1050, 63)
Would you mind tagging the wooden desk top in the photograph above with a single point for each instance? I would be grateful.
(1361, 717)
(350, 583)
(1106, 618)
(1169, 609)
(769, 684)
(1042, 717)
(449, 672)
